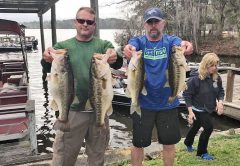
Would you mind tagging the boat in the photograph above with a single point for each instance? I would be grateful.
(11, 42)
(17, 111)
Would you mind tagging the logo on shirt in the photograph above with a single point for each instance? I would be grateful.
(155, 53)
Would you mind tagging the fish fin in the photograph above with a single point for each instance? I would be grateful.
(167, 84)
(127, 92)
(135, 108)
(186, 67)
(144, 91)
(185, 86)
(104, 83)
(88, 105)
(60, 125)
(75, 100)
(171, 98)
(103, 73)
(105, 57)
(114, 81)
(110, 111)
(101, 126)
(48, 78)
(53, 105)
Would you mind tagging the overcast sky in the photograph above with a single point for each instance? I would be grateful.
(66, 9)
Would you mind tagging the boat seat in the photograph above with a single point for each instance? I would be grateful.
(12, 67)
(13, 108)
(13, 97)
(6, 75)
(13, 127)
(13, 81)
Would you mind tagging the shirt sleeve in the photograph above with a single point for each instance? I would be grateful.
(119, 61)
(46, 66)
(58, 46)
(106, 45)
(176, 41)
(134, 42)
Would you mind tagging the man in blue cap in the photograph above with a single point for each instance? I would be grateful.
(155, 110)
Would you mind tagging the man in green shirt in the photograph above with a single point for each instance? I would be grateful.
(82, 122)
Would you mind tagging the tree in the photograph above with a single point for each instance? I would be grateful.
(234, 16)
(220, 7)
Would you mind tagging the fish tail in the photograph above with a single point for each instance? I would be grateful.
(101, 125)
(61, 125)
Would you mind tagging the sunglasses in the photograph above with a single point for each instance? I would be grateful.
(151, 21)
(82, 21)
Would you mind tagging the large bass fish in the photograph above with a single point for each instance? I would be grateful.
(61, 88)
(177, 72)
(135, 81)
(101, 88)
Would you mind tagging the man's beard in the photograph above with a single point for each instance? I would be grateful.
(154, 35)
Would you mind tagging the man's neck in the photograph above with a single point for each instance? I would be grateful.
(154, 39)
(83, 38)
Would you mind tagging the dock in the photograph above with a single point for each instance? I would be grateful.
(231, 84)
(12, 152)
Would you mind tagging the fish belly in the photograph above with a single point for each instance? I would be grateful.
(135, 83)
(101, 92)
(176, 76)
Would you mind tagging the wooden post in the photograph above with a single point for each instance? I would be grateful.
(94, 5)
(53, 25)
(42, 32)
(230, 84)
(30, 109)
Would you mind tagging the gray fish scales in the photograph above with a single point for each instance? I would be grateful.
(177, 72)
(61, 88)
(101, 89)
(135, 81)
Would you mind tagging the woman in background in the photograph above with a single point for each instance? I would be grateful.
(203, 96)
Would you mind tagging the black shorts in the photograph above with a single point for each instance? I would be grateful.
(166, 122)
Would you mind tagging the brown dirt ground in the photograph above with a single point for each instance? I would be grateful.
(224, 46)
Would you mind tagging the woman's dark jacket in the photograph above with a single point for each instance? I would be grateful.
(202, 94)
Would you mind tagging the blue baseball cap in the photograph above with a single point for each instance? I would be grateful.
(153, 13)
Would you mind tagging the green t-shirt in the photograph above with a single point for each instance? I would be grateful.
(80, 54)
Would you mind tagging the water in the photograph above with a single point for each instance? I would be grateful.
(120, 122)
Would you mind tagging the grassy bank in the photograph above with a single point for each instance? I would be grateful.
(225, 148)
